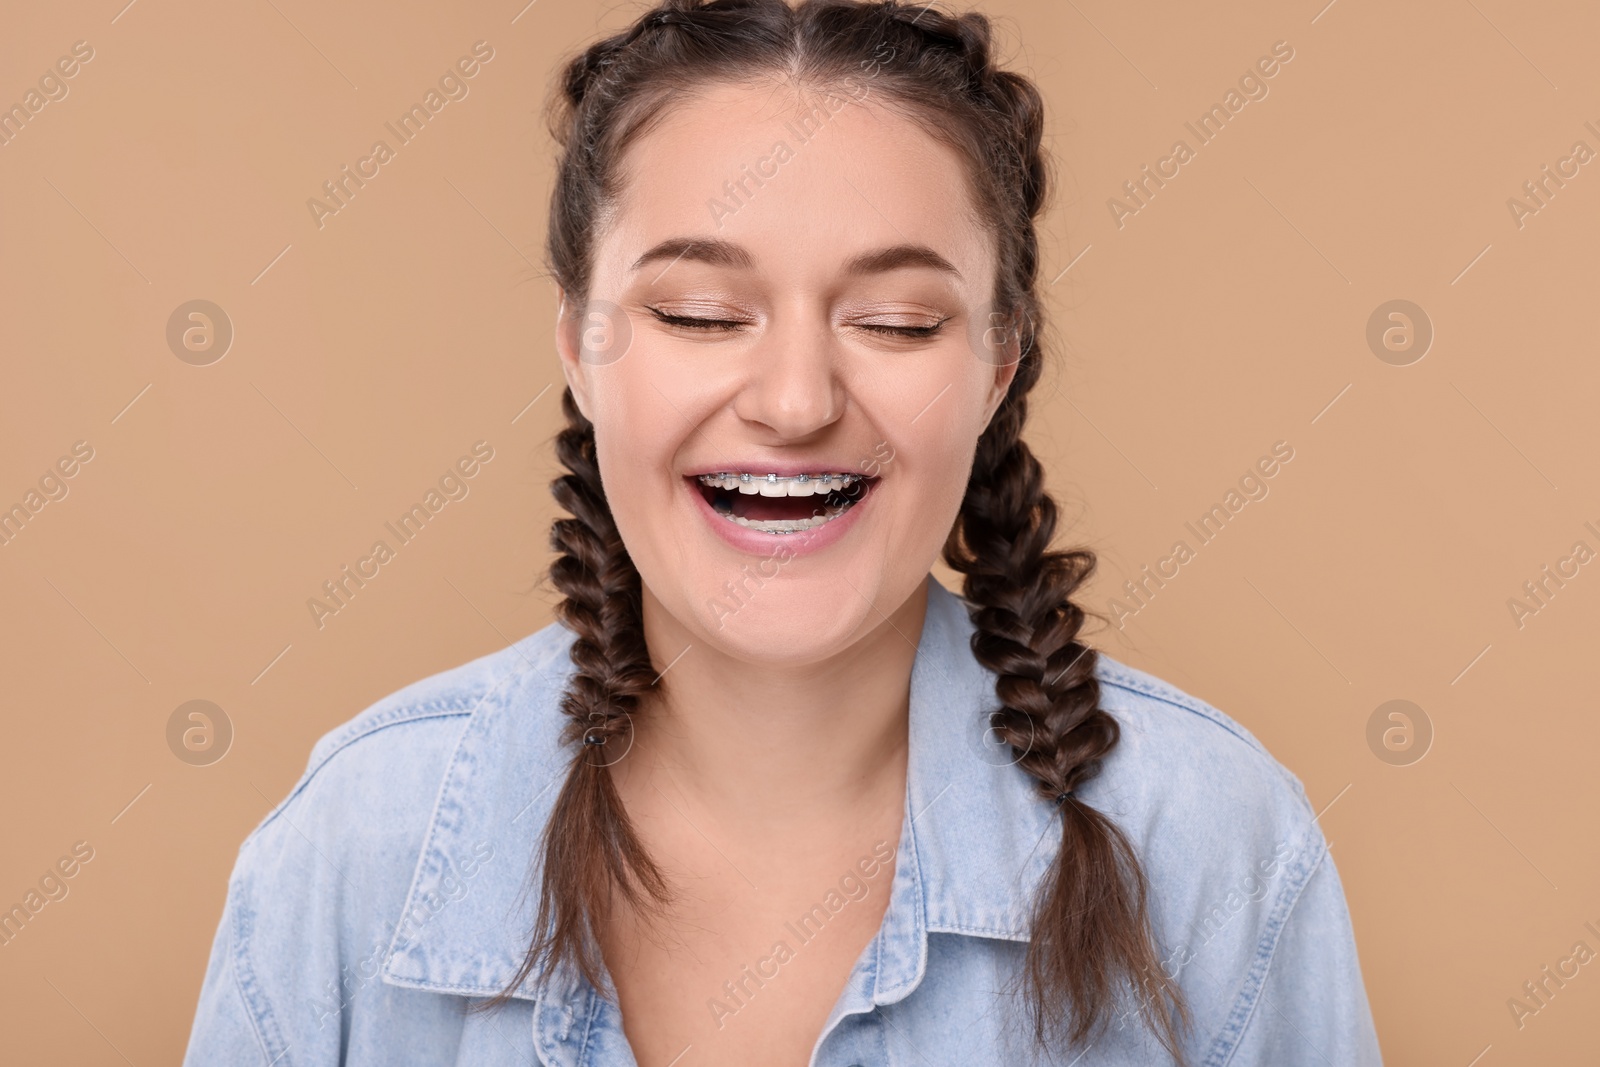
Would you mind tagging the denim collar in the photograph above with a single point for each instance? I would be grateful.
(975, 840)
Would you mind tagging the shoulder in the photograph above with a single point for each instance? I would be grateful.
(388, 760)
(1203, 800)
(1180, 749)
(320, 888)
(1227, 838)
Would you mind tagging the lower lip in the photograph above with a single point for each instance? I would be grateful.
(757, 543)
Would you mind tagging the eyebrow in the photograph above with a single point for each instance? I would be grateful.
(720, 253)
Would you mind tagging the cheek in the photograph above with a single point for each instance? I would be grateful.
(645, 412)
(635, 435)
(931, 420)
(927, 488)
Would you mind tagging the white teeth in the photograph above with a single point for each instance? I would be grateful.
(776, 485)
(787, 526)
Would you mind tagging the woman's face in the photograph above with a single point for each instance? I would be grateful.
(784, 357)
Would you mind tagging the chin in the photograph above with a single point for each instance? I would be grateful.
(806, 622)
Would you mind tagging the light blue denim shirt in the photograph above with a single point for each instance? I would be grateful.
(388, 891)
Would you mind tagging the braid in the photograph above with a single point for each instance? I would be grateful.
(590, 847)
(1091, 919)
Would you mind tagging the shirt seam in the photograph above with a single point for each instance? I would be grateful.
(589, 1026)
(443, 818)
(1118, 680)
(919, 901)
(257, 1008)
(464, 710)
(439, 987)
(880, 1037)
(994, 933)
(461, 703)
(1231, 1035)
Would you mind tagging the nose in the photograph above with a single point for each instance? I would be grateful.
(792, 387)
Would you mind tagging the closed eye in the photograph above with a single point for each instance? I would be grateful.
(912, 332)
(689, 322)
(692, 322)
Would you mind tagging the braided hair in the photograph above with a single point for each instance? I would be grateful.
(1090, 936)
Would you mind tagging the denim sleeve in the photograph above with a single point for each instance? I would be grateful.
(301, 938)
(224, 1033)
(1312, 1008)
(294, 978)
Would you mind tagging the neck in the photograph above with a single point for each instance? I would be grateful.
(773, 742)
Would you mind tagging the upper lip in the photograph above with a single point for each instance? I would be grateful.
(783, 469)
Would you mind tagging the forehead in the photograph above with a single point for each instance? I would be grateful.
(797, 175)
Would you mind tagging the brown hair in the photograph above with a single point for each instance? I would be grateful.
(1090, 937)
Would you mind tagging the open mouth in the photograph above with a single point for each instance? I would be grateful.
(782, 504)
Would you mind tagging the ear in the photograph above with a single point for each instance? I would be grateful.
(1004, 373)
(569, 346)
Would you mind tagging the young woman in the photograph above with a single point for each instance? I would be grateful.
(769, 794)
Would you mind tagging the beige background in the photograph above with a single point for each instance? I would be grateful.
(1227, 314)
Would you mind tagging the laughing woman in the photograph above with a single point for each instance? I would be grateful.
(768, 793)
